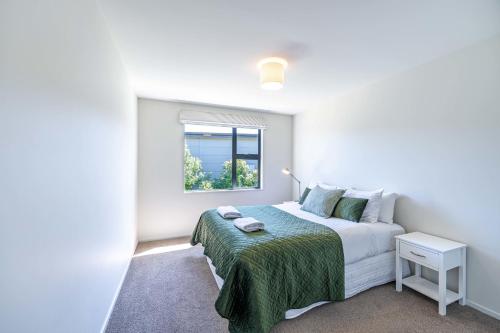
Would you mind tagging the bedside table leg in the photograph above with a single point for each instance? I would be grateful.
(462, 279)
(442, 291)
(418, 270)
(399, 269)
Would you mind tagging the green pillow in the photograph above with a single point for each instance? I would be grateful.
(321, 202)
(350, 208)
(304, 195)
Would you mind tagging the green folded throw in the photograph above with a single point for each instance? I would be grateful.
(350, 208)
(291, 264)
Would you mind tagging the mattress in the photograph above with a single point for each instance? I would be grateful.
(359, 240)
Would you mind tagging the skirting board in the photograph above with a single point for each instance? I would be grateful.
(483, 309)
(117, 293)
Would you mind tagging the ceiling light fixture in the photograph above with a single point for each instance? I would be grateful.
(272, 73)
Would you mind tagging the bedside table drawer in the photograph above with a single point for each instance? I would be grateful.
(419, 255)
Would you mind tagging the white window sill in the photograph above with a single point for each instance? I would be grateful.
(222, 191)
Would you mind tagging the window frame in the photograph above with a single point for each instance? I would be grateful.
(234, 157)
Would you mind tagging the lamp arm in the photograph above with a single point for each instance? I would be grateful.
(298, 181)
(295, 178)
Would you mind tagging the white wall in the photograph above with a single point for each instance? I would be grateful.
(67, 170)
(431, 134)
(165, 211)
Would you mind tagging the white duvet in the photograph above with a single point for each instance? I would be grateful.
(359, 240)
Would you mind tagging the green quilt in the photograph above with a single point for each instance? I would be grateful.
(289, 265)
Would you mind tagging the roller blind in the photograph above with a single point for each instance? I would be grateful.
(242, 120)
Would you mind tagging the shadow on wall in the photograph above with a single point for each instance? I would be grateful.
(414, 216)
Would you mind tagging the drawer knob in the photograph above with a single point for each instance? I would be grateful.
(418, 255)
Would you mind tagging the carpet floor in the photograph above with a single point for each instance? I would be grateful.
(175, 292)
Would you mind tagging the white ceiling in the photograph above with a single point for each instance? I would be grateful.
(207, 51)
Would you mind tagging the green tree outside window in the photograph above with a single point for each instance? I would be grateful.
(196, 179)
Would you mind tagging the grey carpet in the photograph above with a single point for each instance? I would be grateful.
(175, 292)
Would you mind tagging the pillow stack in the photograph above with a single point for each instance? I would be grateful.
(353, 205)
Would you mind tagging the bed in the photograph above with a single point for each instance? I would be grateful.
(299, 262)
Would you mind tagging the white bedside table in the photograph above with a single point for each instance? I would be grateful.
(435, 253)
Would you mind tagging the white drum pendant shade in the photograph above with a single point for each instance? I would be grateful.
(272, 73)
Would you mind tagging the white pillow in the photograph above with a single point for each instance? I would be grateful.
(328, 187)
(372, 209)
(311, 185)
(386, 213)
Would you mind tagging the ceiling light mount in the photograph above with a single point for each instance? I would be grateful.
(272, 73)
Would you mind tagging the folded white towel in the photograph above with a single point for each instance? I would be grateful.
(228, 212)
(248, 224)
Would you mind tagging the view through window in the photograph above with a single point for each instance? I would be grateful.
(221, 158)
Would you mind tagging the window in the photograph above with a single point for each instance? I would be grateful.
(221, 158)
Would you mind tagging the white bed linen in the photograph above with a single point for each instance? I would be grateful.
(359, 240)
